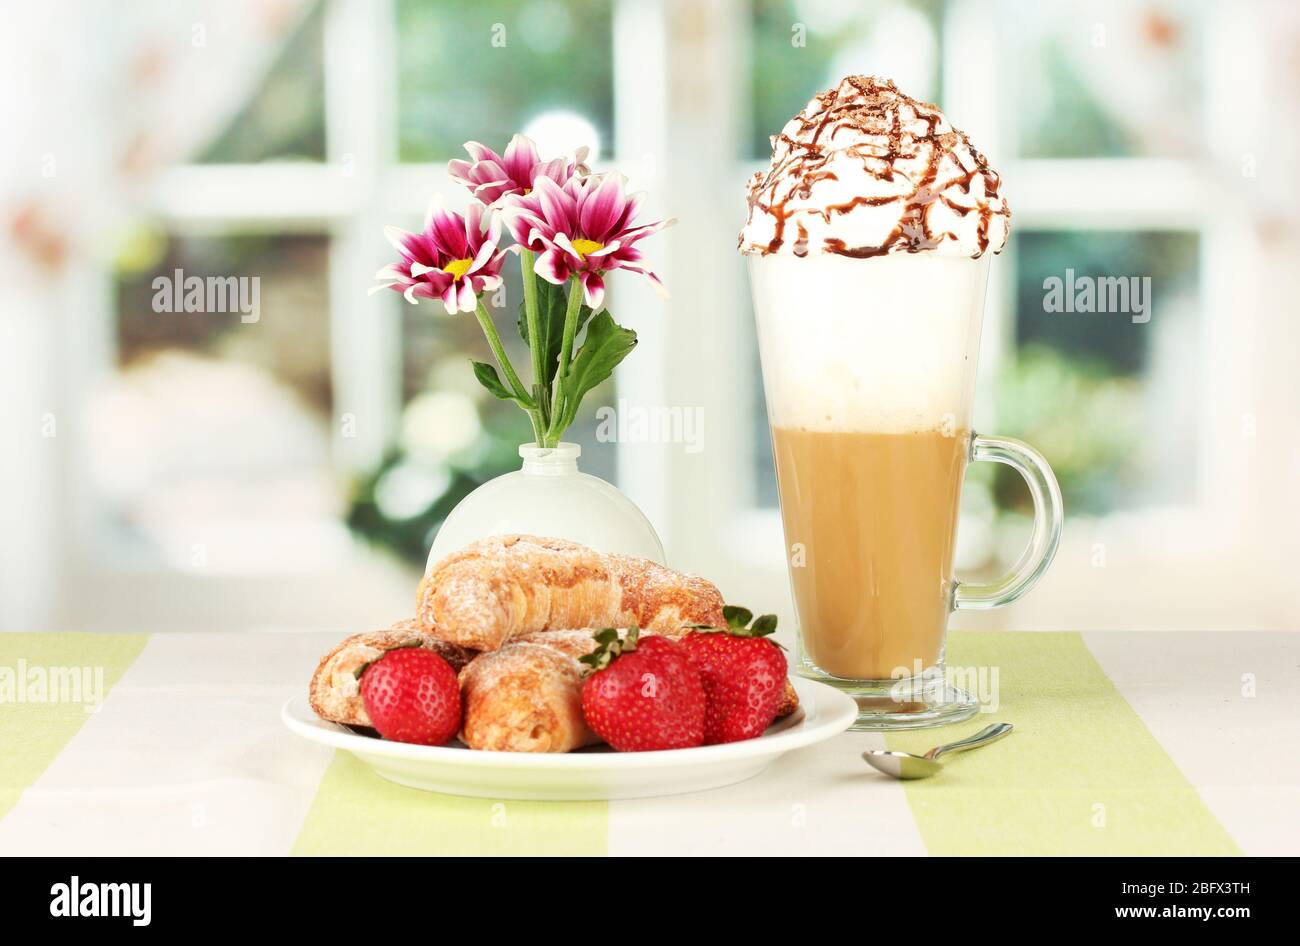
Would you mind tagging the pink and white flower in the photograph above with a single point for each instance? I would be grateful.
(583, 228)
(491, 177)
(453, 259)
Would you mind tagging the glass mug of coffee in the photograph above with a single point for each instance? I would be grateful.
(869, 372)
(868, 242)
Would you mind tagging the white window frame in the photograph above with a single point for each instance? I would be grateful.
(681, 67)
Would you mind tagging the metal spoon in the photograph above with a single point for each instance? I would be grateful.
(907, 766)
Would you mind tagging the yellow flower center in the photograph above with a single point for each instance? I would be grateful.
(584, 246)
(458, 267)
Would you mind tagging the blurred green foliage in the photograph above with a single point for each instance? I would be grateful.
(784, 76)
(1105, 78)
(1075, 388)
(1067, 118)
(480, 71)
(1169, 258)
(1086, 420)
(285, 119)
(409, 532)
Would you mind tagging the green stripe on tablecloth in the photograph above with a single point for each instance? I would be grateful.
(358, 813)
(35, 728)
(1081, 774)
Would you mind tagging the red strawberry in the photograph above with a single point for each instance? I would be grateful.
(644, 694)
(743, 674)
(412, 695)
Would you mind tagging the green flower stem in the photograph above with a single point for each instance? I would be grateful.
(555, 431)
(494, 342)
(527, 261)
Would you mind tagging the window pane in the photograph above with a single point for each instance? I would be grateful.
(1104, 79)
(211, 441)
(486, 70)
(454, 435)
(1104, 394)
(285, 118)
(803, 46)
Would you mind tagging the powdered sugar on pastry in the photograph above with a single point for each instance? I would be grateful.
(498, 588)
(527, 696)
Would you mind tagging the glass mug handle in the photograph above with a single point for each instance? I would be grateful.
(1049, 514)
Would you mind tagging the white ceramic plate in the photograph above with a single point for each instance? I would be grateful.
(596, 773)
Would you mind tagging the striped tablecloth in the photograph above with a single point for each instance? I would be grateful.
(1126, 743)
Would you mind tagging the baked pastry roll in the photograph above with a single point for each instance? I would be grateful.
(527, 696)
(499, 588)
(335, 691)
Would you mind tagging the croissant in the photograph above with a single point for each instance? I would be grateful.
(501, 587)
(335, 691)
(527, 696)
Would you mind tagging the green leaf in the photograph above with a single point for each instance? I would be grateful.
(607, 343)
(551, 306)
(488, 377)
(738, 625)
(609, 645)
(736, 615)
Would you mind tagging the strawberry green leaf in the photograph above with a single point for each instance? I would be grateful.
(608, 647)
(738, 625)
(736, 615)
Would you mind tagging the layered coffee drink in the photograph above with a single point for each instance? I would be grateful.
(868, 243)
(869, 391)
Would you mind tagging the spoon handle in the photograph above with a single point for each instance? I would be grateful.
(981, 738)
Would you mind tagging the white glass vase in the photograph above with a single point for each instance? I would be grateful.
(549, 496)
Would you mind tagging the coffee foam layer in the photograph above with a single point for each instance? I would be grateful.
(887, 345)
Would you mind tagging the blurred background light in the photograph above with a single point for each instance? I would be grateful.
(560, 132)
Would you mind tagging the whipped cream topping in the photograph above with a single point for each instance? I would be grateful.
(865, 170)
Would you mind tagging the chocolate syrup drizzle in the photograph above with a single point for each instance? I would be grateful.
(874, 108)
